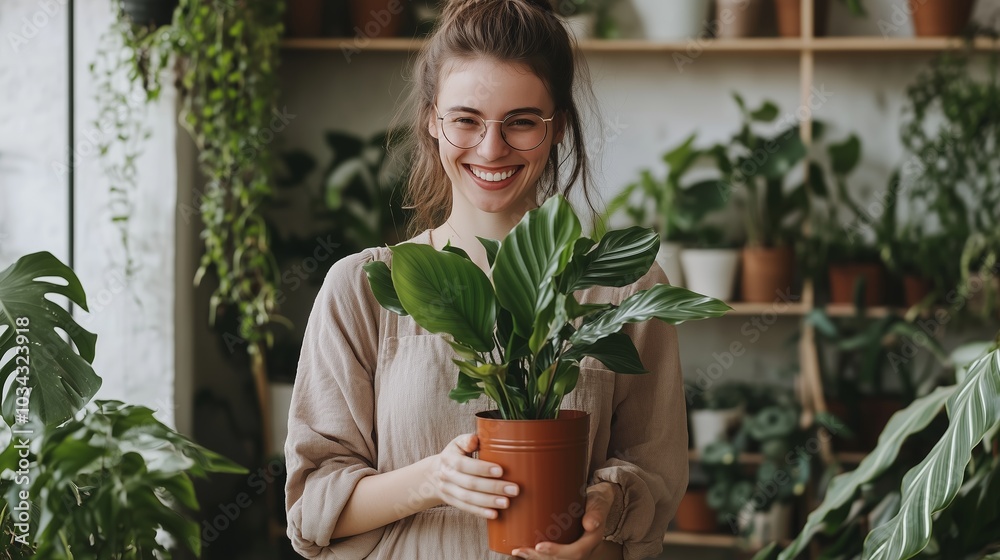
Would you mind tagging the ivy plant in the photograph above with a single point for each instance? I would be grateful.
(520, 343)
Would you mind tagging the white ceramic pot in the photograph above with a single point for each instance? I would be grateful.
(765, 527)
(669, 259)
(711, 272)
(709, 426)
(281, 400)
(736, 18)
(581, 25)
(672, 20)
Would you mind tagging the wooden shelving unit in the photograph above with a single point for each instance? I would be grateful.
(844, 458)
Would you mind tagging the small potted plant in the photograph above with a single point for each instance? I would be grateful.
(679, 206)
(714, 412)
(581, 16)
(520, 338)
(757, 167)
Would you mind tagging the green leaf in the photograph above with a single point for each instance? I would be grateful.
(467, 389)
(492, 247)
(844, 488)
(704, 197)
(844, 157)
(680, 158)
(620, 258)
(667, 303)
(616, 351)
(536, 250)
(767, 112)
(931, 485)
(380, 280)
(783, 153)
(445, 293)
(62, 382)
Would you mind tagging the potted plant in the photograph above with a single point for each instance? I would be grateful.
(757, 167)
(694, 515)
(581, 16)
(730, 488)
(737, 18)
(679, 206)
(102, 479)
(518, 343)
(939, 18)
(711, 263)
(981, 273)
(149, 13)
(715, 411)
(789, 15)
(672, 21)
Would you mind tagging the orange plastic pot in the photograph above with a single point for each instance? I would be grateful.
(939, 18)
(767, 274)
(547, 459)
(693, 514)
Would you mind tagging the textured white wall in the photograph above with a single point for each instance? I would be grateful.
(133, 316)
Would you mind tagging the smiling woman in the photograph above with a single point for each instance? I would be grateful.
(381, 463)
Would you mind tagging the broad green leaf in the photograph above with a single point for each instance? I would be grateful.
(680, 158)
(782, 154)
(844, 157)
(620, 258)
(704, 197)
(445, 293)
(667, 303)
(536, 250)
(616, 351)
(931, 485)
(62, 382)
(492, 247)
(575, 309)
(455, 250)
(844, 488)
(767, 112)
(467, 389)
(380, 280)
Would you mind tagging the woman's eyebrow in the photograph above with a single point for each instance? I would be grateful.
(534, 110)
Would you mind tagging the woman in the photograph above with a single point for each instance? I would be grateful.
(380, 461)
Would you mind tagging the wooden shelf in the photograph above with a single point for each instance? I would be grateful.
(714, 540)
(757, 45)
(779, 308)
(847, 458)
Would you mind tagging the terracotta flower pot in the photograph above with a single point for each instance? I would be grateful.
(304, 18)
(915, 289)
(694, 515)
(939, 18)
(377, 18)
(767, 273)
(843, 277)
(547, 459)
(737, 18)
(789, 14)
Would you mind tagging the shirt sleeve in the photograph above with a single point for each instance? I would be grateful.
(647, 461)
(331, 443)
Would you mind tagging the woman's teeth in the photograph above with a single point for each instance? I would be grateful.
(493, 177)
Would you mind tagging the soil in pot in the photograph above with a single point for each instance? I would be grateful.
(377, 18)
(547, 459)
(789, 15)
(767, 274)
(939, 18)
(844, 276)
(694, 515)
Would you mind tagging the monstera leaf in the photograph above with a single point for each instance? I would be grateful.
(56, 380)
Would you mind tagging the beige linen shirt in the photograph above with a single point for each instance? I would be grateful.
(371, 396)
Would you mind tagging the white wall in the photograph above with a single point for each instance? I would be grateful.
(133, 316)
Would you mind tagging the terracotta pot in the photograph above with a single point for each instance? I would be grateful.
(149, 12)
(737, 18)
(876, 412)
(377, 18)
(789, 14)
(844, 276)
(694, 515)
(915, 289)
(939, 18)
(767, 274)
(304, 18)
(547, 459)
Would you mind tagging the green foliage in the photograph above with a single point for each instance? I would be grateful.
(94, 485)
(104, 483)
(679, 206)
(518, 342)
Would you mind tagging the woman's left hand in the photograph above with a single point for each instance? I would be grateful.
(599, 499)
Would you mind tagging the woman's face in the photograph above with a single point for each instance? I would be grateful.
(493, 90)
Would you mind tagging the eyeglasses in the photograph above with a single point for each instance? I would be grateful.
(521, 131)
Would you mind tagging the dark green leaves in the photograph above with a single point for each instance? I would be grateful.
(61, 381)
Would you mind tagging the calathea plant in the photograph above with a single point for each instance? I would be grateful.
(516, 338)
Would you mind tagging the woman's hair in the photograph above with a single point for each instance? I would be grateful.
(519, 31)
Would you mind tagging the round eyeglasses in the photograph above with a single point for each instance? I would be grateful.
(521, 131)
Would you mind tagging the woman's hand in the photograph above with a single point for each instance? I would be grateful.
(599, 499)
(469, 484)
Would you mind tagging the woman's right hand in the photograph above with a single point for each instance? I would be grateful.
(467, 483)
